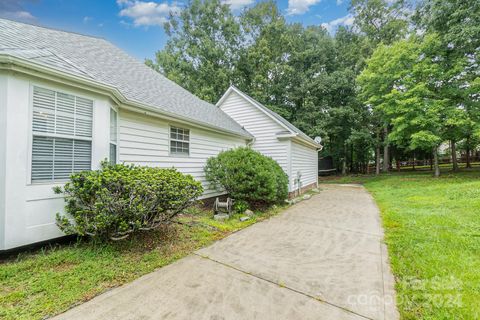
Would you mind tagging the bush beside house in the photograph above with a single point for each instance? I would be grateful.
(117, 200)
(247, 175)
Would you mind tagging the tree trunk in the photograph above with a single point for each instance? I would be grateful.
(414, 161)
(454, 155)
(351, 158)
(377, 155)
(431, 163)
(469, 165)
(390, 159)
(435, 160)
(344, 162)
(386, 161)
(398, 165)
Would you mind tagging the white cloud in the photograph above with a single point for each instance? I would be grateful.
(238, 4)
(86, 19)
(13, 9)
(339, 2)
(300, 6)
(334, 24)
(147, 13)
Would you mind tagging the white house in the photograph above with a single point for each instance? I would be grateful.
(69, 101)
(275, 137)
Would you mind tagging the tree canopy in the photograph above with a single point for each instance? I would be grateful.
(404, 77)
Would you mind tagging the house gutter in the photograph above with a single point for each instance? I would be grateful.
(15, 64)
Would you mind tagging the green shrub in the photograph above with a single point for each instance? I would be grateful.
(247, 175)
(240, 206)
(117, 200)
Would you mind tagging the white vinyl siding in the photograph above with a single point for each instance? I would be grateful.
(145, 141)
(305, 161)
(3, 155)
(260, 125)
(113, 136)
(292, 156)
(54, 152)
(62, 134)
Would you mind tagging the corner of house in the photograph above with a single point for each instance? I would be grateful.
(289, 165)
(3, 117)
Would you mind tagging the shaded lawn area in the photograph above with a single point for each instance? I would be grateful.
(51, 280)
(433, 235)
(443, 166)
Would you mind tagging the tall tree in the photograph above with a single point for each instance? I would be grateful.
(262, 68)
(202, 50)
(341, 120)
(457, 24)
(403, 80)
(381, 21)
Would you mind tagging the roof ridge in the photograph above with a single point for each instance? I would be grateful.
(53, 29)
(48, 53)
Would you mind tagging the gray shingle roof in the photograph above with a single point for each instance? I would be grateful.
(98, 60)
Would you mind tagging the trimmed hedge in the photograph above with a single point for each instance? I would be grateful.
(117, 200)
(247, 175)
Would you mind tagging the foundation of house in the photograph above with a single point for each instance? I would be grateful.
(304, 189)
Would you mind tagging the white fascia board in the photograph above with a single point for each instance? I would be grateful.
(307, 143)
(286, 135)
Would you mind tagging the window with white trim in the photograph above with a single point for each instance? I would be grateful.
(113, 136)
(179, 141)
(62, 135)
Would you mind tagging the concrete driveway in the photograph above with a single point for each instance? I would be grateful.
(323, 258)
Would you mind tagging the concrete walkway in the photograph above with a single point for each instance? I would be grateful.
(321, 259)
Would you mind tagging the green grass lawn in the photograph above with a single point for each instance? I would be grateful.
(433, 236)
(432, 232)
(51, 280)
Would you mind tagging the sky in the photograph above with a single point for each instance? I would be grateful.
(136, 25)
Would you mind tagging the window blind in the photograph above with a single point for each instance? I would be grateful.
(62, 134)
